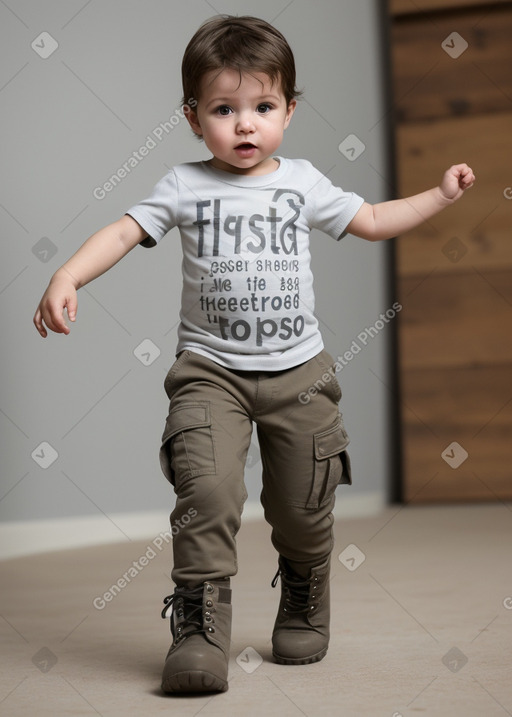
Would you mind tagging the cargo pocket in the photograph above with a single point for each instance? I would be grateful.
(331, 464)
(187, 449)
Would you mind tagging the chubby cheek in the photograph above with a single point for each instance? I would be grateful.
(275, 138)
(216, 136)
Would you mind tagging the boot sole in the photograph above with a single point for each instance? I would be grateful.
(299, 660)
(194, 681)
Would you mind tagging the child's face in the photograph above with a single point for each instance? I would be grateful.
(242, 122)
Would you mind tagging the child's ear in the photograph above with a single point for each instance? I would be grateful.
(289, 112)
(193, 120)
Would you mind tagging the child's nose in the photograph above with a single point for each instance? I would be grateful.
(245, 123)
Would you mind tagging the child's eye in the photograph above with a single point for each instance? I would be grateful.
(264, 107)
(223, 110)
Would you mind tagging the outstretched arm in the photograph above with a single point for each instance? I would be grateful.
(390, 219)
(98, 254)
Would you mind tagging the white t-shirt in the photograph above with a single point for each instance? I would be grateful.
(247, 300)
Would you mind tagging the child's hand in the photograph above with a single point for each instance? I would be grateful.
(455, 181)
(60, 295)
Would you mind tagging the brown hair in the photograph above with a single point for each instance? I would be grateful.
(246, 44)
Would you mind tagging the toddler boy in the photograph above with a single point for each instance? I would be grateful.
(248, 343)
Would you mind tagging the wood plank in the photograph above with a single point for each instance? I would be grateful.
(458, 320)
(470, 406)
(447, 401)
(486, 477)
(429, 83)
(481, 220)
(399, 7)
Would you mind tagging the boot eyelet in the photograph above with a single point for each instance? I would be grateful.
(209, 588)
(207, 618)
(312, 607)
(211, 629)
(209, 603)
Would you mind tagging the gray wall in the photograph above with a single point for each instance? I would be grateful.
(69, 121)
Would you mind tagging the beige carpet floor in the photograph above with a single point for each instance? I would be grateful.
(421, 625)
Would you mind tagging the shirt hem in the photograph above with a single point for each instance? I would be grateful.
(262, 362)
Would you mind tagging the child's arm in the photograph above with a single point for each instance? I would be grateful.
(98, 254)
(390, 219)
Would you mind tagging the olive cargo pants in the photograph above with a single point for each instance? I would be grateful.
(204, 448)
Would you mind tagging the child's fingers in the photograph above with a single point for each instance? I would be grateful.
(72, 306)
(38, 323)
(54, 318)
(464, 175)
(467, 177)
(51, 310)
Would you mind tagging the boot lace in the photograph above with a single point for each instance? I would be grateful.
(295, 592)
(187, 612)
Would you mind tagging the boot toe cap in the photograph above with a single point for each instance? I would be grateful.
(195, 666)
(298, 647)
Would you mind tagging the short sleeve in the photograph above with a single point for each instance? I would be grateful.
(158, 213)
(330, 208)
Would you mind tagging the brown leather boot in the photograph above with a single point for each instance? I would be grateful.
(301, 630)
(197, 660)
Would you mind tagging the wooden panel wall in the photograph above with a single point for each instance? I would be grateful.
(402, 7)
(454, 272)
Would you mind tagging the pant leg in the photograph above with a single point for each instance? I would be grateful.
(303, 445)
(204, 447)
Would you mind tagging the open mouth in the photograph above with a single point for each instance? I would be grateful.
(246, 150)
